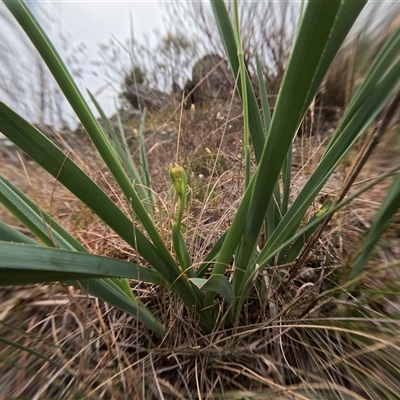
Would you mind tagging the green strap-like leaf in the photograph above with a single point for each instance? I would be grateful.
(124, 158)
(113, 291)
(378, 69)
(20, 263)
(36, 220)
(211, 256)
(263, 97)
(216, 283)
(8, 234)
(108, 291)
(388, 209)
(144, 162)
(287, 257)
(348, 13)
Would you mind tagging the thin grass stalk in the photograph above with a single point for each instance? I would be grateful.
(273, 213)
(112, 136)
(125, 144)
(144, 163)
(126, 161)
(245, 104)
(287, 180)
(131, 53)
(37, 219)
(243, 82)
(264, 97)
(38, 354)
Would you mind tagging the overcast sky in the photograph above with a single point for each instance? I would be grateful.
(92, 23)
(96, 22)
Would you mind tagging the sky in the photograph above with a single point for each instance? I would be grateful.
(92, 23)
(96, 22)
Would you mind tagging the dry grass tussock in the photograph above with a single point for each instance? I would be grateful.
(299, 342)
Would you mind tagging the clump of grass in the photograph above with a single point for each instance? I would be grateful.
(242, 298)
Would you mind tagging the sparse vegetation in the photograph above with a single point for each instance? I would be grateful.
(227, 261)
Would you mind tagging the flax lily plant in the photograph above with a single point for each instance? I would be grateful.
(55, 255)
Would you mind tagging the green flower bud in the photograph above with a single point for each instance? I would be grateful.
(178, 178)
